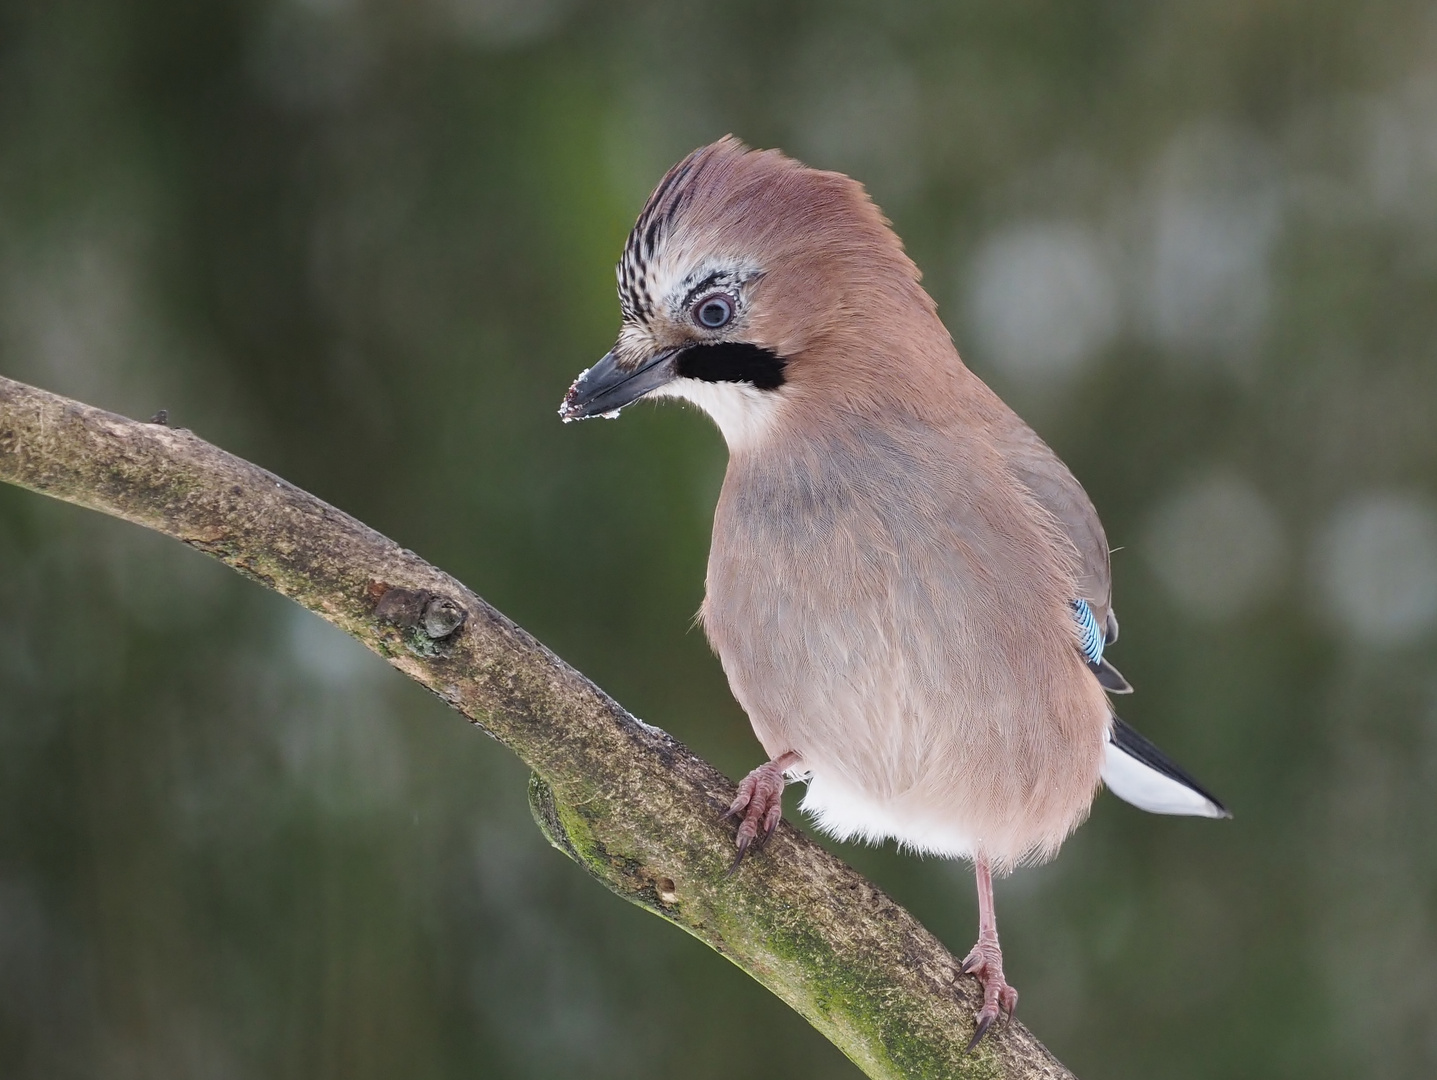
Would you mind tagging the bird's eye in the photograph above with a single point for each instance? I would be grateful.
(713, 311)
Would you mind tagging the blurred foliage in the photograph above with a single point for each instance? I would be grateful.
(368, 245)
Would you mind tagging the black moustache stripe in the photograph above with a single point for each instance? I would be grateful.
(732, 361)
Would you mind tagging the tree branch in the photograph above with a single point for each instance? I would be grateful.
(624, 800)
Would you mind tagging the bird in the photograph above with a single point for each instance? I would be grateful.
(909, 593)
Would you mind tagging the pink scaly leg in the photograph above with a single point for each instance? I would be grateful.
(986, 959)
(760, 801)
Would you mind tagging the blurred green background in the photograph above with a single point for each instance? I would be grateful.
(368, 245)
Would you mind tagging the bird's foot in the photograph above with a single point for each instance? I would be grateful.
(999, 999)
(759, 806)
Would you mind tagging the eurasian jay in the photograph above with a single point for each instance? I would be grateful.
(909, 592)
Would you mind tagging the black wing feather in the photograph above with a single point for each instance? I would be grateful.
(1111, 678)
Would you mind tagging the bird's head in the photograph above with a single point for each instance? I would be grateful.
(750, 280)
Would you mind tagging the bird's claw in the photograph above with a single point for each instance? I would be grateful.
(742, 845)
(984, 1020)
(759, 805)
(1000, 1000)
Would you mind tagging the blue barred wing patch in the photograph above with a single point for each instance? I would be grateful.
(1090, 635)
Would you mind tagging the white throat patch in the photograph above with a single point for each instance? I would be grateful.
(744, 414)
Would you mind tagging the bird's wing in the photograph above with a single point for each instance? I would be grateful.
(1091, 641)
(1056, 489)
(1138, 772)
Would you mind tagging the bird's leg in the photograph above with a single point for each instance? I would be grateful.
(760, 801)
(986, 959)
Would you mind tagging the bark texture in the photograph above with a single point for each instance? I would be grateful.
(624, 800)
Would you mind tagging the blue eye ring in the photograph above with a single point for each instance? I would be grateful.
(714, 311)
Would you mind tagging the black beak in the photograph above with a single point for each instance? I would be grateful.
(606, 387)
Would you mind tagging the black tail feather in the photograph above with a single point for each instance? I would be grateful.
(1128, 740)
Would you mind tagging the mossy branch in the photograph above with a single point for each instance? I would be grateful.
(624, 800)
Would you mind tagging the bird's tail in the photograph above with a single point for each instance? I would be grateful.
(1138, 772)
